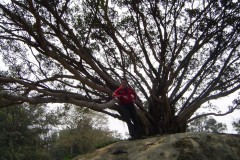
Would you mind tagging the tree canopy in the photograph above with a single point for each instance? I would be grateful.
(177, 55)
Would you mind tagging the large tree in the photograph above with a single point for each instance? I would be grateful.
(177, 55)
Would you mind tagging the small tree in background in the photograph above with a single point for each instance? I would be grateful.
(216, 127)
(83, 131)
(205, 124)
(236, 126)
(197, 125)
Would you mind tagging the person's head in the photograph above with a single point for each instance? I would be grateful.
(124, 82)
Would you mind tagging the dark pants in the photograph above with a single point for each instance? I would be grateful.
(129, 113)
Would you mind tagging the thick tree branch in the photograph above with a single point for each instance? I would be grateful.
(231, 109)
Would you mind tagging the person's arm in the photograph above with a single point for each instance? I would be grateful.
(116, 93)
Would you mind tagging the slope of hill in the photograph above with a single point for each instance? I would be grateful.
(182, 146)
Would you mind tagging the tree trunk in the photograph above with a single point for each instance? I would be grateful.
(152, 123)
(149, 127)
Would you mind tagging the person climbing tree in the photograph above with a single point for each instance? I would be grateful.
(126, 97)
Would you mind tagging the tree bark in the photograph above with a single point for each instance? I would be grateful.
(149, 124)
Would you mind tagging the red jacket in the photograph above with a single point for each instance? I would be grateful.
(128, 91)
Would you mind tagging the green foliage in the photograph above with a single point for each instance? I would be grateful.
(236, 125)
(26, 132)
(75, 141)
(213, 126)
(205, 124)
(23, 132)
(84, 131)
